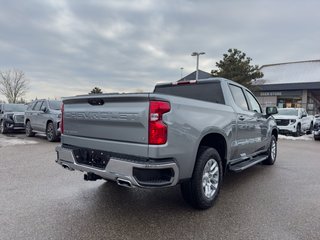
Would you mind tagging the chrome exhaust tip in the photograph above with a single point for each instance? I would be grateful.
(67, 167)
(124, 183)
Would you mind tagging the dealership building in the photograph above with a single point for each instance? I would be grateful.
(292, 84)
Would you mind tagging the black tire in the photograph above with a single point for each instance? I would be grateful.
(29, 132)
(3, 128)
(298, 132)
(193, 190)
(309, 131)
(272, 153)
(51, 132)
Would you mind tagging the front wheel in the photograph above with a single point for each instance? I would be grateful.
(51, 133)
(272, 152)
(203, 188)
(3, 127)
(29, 132)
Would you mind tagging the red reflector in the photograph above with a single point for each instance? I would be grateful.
(157, 128)
(61, 123)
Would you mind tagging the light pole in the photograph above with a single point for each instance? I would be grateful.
(181, 69)
(197, 54)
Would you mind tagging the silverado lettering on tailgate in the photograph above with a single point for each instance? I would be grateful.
(105, 116)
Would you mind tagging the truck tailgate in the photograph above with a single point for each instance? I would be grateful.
(119, 117)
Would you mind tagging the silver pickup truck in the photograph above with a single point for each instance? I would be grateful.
(187, 133)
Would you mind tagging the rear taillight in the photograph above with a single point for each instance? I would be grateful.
(157, 128)
(61, 122)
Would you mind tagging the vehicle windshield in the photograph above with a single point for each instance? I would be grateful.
(15, 107)
(55, 105)
(287, 111)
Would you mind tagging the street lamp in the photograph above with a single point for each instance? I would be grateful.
(181, 69)
(197, 54)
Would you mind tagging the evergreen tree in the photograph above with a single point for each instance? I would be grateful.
(96, 90)
(236, 66)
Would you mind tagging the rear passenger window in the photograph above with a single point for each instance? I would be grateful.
(239, 97)
(208, 91)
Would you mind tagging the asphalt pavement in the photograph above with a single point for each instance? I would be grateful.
(41, 200)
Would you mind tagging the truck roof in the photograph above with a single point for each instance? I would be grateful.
(207, 80)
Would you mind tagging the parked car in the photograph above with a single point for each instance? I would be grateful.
(44, 116)
(294, 121)
(316, 129)
(188, 132)
(11, 117)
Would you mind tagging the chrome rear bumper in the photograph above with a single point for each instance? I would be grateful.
(123, 169)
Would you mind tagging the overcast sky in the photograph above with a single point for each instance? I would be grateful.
(68, 47)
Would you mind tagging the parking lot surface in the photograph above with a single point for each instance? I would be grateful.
(41, 200)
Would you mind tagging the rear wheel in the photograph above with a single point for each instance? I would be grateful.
(3, 127)
(298, 132)
(309, 131)
(51, 132)
(29, 132)
(203, 188)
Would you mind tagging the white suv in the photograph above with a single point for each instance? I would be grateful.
(294, 121)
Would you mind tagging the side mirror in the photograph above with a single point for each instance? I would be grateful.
(271, 110)
(303, 115)
(44, 109)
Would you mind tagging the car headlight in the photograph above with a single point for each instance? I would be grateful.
(292, 121)
(9, 116)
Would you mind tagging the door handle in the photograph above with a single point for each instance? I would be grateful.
(241, 118)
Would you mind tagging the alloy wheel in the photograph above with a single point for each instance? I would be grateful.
(273, 150)
(50, 132)
(210, 178)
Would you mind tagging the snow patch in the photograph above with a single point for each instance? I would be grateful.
(14, 141)
(304, 137)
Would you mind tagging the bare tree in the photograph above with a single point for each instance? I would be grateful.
(13, 84)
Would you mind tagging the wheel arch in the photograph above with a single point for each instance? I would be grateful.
(49, 121)
(26, 120)
(275, 132)
(217, 141)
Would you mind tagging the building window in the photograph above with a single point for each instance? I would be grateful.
(289, 102)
